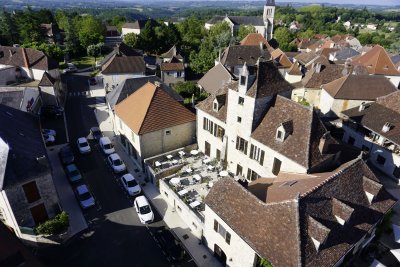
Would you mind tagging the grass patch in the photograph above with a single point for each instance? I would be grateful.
(85, 62)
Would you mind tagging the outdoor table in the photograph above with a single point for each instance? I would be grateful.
(158, 164)
(206, 161)
(183, 192)
(197, 177)
(194, 152)
(174, 161)
(189, 170)
(169, 156)
(175, 181)
(210, 168)
(194, 204)
(223, 173)
(181, 153)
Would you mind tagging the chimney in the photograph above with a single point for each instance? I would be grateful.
(157, 84)
(362, 106)
(323, 146)
(318, 68)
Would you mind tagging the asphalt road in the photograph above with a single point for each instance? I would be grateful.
(115, 236)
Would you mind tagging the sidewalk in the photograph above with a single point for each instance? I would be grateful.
(65, 194)
(200, 254)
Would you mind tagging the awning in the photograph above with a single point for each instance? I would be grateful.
(396, 253)
(376, 263)
(396, 231)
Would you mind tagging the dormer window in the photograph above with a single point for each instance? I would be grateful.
(317, 232)
(386, 127)
(371, 188)
(279, 135)
(341, 211)
(242, 80)
(284, 130)
(215, 105)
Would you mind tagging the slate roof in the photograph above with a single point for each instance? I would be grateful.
(377, 61)
(305, 58)
(50, 29)
(302, 145)
(150, 109)
(328, 72)
(123, 59)
(306, 209)
(207, 104)
(47, 80)
(359, 87)
(12, 96)
(374, 117)
(255, 39)
(25, 141)
(215, 78)
(172, 52)
(346, 53)
(129, 86)
(26, 57)
(239, 54)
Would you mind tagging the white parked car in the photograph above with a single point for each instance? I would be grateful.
(86, 199)
(130, 184)
(49, 132)
(116, 163)
(143, 210)
(83, 145)
(48, 138)
(106, 145)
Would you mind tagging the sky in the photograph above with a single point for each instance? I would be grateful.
(355, 2)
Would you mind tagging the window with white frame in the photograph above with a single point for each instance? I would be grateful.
(241, 144)
(221, 230)
(241, 101)
(252, 175)
(257, 154)
(213, 128)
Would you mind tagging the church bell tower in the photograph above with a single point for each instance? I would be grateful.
(268, 17)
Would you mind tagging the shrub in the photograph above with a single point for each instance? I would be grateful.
(54, 226)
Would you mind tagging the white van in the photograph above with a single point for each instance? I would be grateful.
(106, 145)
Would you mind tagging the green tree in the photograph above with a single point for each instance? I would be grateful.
(244, 30)
(8, 32)
(192, 33)
(147, 39)
(61, 19)
(71, 40)
(90, 30)
(118, 21)
(29, 26)
(54, 226)
(131, 39)
(94, 50)
(167, 36)
(284, 37)
(186, 89)
(52, 50)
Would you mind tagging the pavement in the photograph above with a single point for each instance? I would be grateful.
(200, 253)
(65, 194)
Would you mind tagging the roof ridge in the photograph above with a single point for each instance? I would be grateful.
(333, 176)
(150, 102)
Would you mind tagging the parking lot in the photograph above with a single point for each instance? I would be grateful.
(115, 236)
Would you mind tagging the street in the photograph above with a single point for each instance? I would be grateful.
(115, 236)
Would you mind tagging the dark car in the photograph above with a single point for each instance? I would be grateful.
(51, 110)
(170, 244)
(96, 133)
(66, 155)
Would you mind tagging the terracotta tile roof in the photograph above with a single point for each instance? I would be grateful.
(302, 146)
(239, 54)
(295, 70)
(377, 61)
(123, 59)
(359, 87)
(307, 211)
(281, 58)
(47, 80)
(390, 101)
(215, 78)
(374, 117)
(166, 66)
(151, 109)
(254, 39)
(26, 57)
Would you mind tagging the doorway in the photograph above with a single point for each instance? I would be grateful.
(220, 254)
(207, 148)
